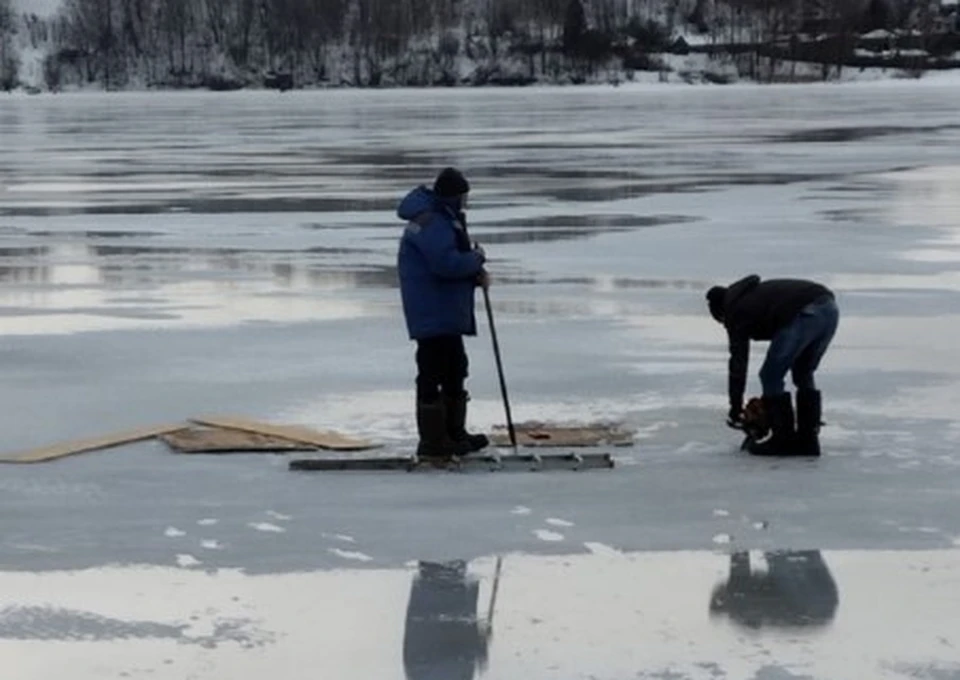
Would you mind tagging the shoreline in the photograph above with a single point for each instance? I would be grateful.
(931, 78)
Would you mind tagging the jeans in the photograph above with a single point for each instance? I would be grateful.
(799, 346)
(441, 365)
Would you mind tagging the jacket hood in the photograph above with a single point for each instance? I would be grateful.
(417, 201)
(740, 288)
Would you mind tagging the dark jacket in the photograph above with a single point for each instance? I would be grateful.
(755, 310)
(437, 268)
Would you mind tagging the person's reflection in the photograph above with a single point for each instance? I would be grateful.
(443, 639)
(797, 590)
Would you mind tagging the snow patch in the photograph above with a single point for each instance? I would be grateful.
(547, 535)
(279, 515)
(346, 538)
(33, 547)
(211, 544)
(601, 549)
(554, 521)
(351, 555)
(186, 560)
(266, 526)
(173, 532)
(918, 530)
(521, 510)
(380, 415)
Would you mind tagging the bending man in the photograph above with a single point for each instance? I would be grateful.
(799, 318)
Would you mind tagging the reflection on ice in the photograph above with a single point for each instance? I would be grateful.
(926, 195)
(795, 591)
(442, 636)
(604, 614)
(73, 285)
(542, 235)
(948, 281)
(857, 133)
(48, 623)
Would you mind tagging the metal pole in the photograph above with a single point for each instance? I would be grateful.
(493, 595)
(503, 383)
(496, 353)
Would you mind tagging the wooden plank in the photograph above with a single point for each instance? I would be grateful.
(333, 441)
(76, 446)
(541, 435)
(222, 441)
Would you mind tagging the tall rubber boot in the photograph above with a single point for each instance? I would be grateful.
(456, 423)
(435, 443)
(782, 442)
(809, 413)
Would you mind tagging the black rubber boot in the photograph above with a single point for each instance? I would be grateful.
(457, 421)
(782, 442)
(435, 443)
(809, 413)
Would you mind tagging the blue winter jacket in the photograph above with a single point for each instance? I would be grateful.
(437, 267)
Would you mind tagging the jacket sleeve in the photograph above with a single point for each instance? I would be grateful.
(438, 244)
(737, 370)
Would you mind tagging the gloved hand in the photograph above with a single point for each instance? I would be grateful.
(735, 418)
(483, 279)
(478, 249)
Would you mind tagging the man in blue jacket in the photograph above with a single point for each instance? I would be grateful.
(799, 318)
(439, 269)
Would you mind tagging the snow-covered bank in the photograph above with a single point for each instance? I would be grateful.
(472, 44)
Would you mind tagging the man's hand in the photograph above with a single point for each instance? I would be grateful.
(735, 418)
(478, 249)
(483, 279)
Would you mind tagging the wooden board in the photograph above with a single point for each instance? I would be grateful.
(333, 441)
(537, 434)
(91, 444)
(221, 440)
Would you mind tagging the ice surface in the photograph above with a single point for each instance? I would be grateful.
(182, 282)
(165, 256)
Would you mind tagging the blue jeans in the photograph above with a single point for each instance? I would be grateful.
(799, 346)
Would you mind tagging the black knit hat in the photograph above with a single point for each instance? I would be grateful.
(451, 182)
(715, 297)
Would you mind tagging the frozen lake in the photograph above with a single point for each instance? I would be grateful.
(167, 256)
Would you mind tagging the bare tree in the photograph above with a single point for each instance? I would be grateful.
(502, 17)
(9, 63)
(90, 34)
(177, 25)
(242, 34)
(322, 25)
(6, 20)
(215, 18)
(277, 18)
(133, 16)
